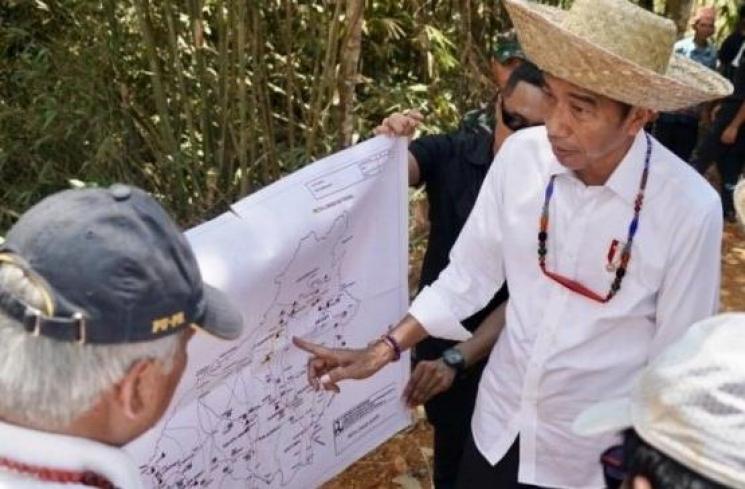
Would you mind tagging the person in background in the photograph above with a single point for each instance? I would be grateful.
(678, 130)
(505, 57)
(683, 423)
(730, 52)
(724, 143)
(452, 168)
(99, 295)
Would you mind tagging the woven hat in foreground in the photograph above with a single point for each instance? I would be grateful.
(617, 49)
(689, 403)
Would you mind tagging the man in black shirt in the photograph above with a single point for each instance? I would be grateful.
(731, 47)
(724, 143)
(452, 167)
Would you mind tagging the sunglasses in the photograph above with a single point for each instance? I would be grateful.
(514, 121)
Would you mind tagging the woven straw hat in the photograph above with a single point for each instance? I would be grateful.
(689, 403)
(617, 49)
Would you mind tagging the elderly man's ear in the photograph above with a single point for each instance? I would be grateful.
(136, 392)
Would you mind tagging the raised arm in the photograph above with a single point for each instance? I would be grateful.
(404, 124)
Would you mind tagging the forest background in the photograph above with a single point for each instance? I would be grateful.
(204, 101)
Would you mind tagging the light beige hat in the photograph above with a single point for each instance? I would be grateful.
(689, 403)
(617, 49)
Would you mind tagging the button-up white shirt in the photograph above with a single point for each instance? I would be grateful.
(47, 450)
(560, 351)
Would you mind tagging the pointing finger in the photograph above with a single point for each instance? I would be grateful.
(314, 349)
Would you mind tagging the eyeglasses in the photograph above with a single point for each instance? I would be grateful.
(514, 121)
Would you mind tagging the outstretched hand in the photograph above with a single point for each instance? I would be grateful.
(328, 366)
(400, 124)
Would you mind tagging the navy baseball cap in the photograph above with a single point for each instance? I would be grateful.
(115, 268)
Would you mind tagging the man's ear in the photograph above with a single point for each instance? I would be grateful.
(132, 391)
(638, 118)
(500, 73)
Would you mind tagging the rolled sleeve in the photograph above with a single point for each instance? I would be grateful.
(429, 309)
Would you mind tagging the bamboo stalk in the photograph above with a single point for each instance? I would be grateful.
(224, 32)
(326, 83)
(178, 66)
(350, 57)
(166, 130)
(289, 72)
(195, 7)
(270, 168)
(243, 131)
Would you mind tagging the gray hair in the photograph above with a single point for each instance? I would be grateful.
(49, 383)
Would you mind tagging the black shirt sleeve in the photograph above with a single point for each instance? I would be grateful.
(430, 152)
(739, 83)
(729, 49)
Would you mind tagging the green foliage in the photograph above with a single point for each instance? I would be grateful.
(198, 101)
(204, 101)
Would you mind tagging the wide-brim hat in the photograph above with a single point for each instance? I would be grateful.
(616, 49)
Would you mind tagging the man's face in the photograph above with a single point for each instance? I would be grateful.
(704, 28)
(584, 128)
(525, 106)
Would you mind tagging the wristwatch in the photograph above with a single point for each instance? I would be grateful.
(454, 359)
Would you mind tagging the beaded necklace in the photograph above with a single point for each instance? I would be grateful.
(625, 252)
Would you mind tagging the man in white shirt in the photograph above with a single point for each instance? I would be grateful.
(610, 244)
(99, 296)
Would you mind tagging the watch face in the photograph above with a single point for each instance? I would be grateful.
(453, 357)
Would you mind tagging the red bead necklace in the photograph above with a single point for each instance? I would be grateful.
(573, 285)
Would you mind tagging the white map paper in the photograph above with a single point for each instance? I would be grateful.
(321, 254)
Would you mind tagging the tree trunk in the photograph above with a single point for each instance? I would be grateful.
(350, 59)
(680, 12)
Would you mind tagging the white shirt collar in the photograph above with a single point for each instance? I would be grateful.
(69, 453)
(625, 179)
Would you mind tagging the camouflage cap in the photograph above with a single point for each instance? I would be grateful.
(507, 47)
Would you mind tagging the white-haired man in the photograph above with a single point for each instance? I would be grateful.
(610, 245)
(99, 296)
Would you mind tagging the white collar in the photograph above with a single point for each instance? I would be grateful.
(626, 177)
(68, 453)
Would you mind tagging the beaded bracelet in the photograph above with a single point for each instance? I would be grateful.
(393, 345)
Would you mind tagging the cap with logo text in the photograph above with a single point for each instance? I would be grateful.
(115, 268)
